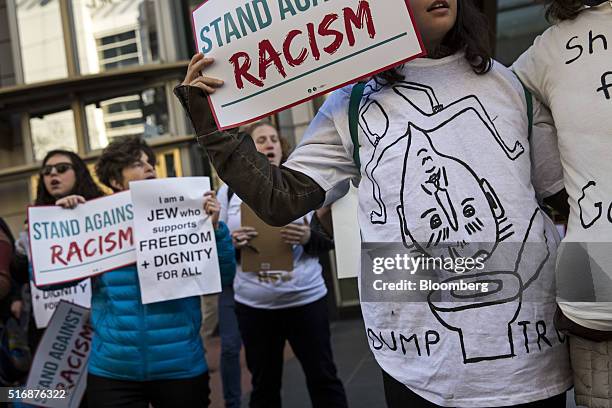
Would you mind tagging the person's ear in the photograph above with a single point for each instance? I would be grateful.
(494, 203)
(116, 185)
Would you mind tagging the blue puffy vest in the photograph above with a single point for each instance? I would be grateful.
(136, 342)
(157, 341)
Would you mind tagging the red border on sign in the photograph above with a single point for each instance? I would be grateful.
(421, 54)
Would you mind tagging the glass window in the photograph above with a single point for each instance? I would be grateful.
(11, 141)
(41, 40)
(53, 131)
(518, 23)
(113, 34)
(144, 113)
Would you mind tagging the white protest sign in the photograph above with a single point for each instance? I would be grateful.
(175, 239)
(61, 359)
(94, 237)
(45, 302)
(274, 54)
(347, 235)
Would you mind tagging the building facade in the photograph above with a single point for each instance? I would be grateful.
(76, 74)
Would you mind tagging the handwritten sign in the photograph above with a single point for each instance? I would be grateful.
(94, 237)
(175, 239)
(61, 359)
(274, 54)
(45, 302)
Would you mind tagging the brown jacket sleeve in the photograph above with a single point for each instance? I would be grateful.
(277, 194)
(6, 255)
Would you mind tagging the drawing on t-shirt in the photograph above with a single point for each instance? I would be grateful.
(446, 209)
(499, 306)
(375, 122)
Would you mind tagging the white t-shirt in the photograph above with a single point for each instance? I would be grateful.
(274, 289)
(445, 159)
(569, 68)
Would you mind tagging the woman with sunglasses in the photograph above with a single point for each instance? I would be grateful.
(64, 174)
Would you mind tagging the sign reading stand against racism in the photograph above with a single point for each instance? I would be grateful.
(175, 239)
(274, 54)
(58, 375)
(70, 245)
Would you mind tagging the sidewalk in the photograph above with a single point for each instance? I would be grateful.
(356, 367)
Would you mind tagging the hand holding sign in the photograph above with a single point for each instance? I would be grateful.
(242, 236)
(296, 234)
(71, 201)
(212, 207)
(195, 77)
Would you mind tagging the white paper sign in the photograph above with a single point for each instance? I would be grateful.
(274, 54)
(61, 359)
(71, 244)
(175, 239)
(45, 302)
(347, 235)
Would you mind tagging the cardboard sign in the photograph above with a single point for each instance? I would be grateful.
(45, 302)
(347, 235)
(274, 54)
(175, 239)
(267, 251)
(72, 244)
(61, 359)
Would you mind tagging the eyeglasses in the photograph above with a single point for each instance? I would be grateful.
(61, 168)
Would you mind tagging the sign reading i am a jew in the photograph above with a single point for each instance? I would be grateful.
(72, 244)
(274, 54)
(175, 239)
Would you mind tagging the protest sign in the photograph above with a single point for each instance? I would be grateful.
(175, 240)
(71, 244)
(347, 235)
(60, 363)
(268, 251)
(45, 302)
(274, 54)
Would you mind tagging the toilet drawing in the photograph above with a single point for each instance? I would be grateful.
(447, 210)
(499, 306)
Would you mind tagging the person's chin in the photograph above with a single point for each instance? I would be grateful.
(57, 192)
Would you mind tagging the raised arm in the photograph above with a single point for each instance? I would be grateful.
(277, 195)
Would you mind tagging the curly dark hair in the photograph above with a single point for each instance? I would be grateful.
(470, 33)
(85, 185)
(119, 154)
(559, 10)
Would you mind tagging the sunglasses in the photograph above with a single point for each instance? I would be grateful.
(61, 168)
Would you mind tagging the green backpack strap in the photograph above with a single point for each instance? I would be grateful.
(529, 100)
(354, 102)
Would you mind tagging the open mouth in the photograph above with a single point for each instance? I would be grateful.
(270, 156)
(55, 183)
(438, 4)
